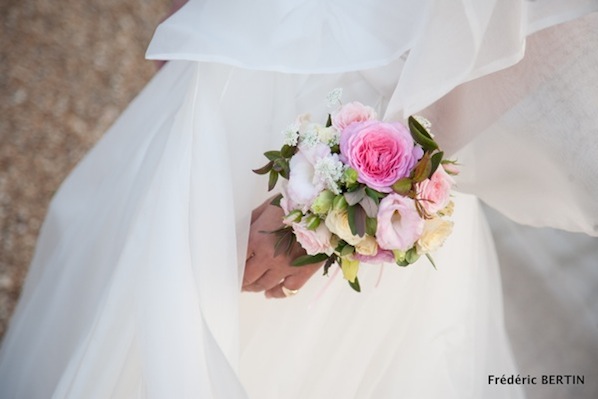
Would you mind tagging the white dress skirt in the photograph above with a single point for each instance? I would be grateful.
(134, 289)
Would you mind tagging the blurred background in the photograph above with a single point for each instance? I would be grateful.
(67, 70)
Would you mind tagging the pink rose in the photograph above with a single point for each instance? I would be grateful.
(380, 152)
(435, 193)
(399, 224)
(313, 241)
(351, 113)
(382, 256)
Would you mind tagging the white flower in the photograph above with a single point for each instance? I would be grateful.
(328, 171)
(334, 97)
(291, 135)
(303, 185)
(329, 135)
(309, 136)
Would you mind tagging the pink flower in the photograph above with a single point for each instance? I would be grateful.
(399, 224)
(435, 192)
(313, 241)
(380, 152)
(382, 256)
(350, 113)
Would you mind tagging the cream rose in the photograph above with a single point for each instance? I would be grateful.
(367, 246)
(338, 223)
(435, 233)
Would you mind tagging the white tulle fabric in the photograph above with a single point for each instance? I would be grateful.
(522, 111)
(134, 288)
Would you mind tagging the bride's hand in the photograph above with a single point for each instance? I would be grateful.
(264, 271)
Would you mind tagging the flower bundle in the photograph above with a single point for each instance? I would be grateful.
(360, 190)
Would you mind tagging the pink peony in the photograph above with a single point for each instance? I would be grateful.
(434, 193)
(380, 152)
(399, 224)
(313, 241)
(351, 113)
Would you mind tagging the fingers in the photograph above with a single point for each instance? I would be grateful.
(293, 282)
(263, 270)
(253, 269)
(267, 281)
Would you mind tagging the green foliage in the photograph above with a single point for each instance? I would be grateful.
(309, 259)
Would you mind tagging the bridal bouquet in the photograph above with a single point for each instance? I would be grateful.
(360, 190)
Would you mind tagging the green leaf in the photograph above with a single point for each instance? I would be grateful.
(264, 169)
(341, 244)
(272, 180)
(339, 203)
(402, 263)
(431, 260)
(347, 250)
(402, 186)
(357, 217)
(329, 121)
(355, 285)
(353, 197)
(375, 195)
(411, 256)
(288, 151)
(282, 167)
(312, 222)
(329, 262)
(272, 155)
(369, 206)
(276, 200)
(422, 169)
(421, 135)
(371, 224)
(435, 160)
(309, 259)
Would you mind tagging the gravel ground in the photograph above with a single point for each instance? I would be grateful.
(67, 69)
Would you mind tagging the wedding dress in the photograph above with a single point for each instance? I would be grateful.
(134, 289)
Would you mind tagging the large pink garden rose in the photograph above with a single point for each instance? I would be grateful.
(435, 193)
(399, 224)
(380, 152)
